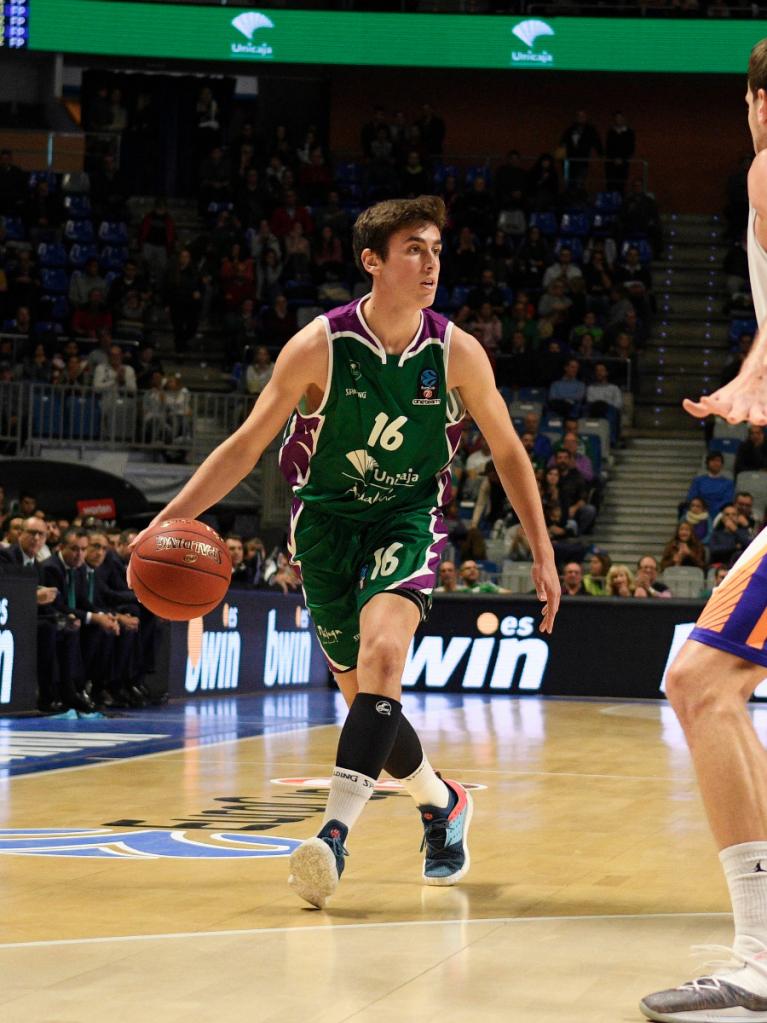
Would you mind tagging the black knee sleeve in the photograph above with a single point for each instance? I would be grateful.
(369, 733)
(407, 753)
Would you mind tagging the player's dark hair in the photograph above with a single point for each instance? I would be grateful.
(757, 68)
(374, 226)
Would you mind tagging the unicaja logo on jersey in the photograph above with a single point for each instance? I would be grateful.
(527, 32)
(247, 24)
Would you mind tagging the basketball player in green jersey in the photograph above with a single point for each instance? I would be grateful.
(373, 395)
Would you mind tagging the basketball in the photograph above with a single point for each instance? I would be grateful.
(180, 569)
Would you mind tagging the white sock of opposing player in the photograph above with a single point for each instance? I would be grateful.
(426, 788)
(745, 867)
(349, 792)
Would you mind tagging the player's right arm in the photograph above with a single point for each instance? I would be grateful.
(301, 365)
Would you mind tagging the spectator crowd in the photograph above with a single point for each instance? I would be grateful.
(96, 644)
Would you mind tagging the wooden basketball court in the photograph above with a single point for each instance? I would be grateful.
(592, 869)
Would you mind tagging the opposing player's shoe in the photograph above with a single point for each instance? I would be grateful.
(444, 838)
(735, 993)
(317, 864)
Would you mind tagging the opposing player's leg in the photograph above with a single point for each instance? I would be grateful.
(709, 686)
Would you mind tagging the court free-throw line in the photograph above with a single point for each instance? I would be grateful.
(253, 931)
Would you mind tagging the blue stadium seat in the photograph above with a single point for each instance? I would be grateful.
(645, 252)
(80, 254)
(727, 445)
(55, 281)
(60, 309)
(14, 229)
(480, 171)
(50, 176)
(79, 231)
(82, 418)
(741, 326)
(575, 245)
(215, 208)
(445, 170)
(576, 222)
(459, 296)
(348, 173)
(545, 221)
(51, 254)
(508, 295)
(46, 414)
(531, 394)
(603, 225)
(608, 202)
(113, 232)
(77, 207)
(442, 297)
(113, 257)
(43, 327)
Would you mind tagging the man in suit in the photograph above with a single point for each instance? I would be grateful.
(59, 664)
(98, 628)
(113, 574)
(120, 602)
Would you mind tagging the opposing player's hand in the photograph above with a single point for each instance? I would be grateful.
(744, 399)
(549, 590)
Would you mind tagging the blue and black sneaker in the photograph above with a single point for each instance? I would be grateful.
(317, 864)
(444, 837)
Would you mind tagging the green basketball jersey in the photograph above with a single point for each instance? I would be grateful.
(386, 429)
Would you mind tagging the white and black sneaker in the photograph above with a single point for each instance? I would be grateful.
(735, 993)
(317, 864)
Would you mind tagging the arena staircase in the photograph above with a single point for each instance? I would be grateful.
(648, 480)
(690, 335)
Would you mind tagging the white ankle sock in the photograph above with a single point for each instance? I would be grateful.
(745, 867)
(349, 792)
(426, 788)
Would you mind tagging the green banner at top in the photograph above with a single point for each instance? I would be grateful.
(401, 40)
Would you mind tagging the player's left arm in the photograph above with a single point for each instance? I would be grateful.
(469, 371)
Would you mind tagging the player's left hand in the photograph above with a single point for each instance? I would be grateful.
(549, 590)
(744, 399)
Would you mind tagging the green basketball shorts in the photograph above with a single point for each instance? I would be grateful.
(344, 563)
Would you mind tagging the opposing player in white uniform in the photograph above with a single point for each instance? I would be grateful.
(722, 663)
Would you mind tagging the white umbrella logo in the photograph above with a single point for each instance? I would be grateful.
(528, 31)
(249, 22)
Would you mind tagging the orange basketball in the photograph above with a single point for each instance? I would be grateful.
(180, 569)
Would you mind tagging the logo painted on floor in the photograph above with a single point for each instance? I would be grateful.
(104, 843)
(19, 745)
(382, 785)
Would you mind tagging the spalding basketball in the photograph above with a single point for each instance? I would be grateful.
(180, 569)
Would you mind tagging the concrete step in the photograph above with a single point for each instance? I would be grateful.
(683, 330)
(694, 251)
(679, 221)
(700, 233)
(668, 416)
(626, 537)
(688, 305)
(674, 275)
(670, 358)
(673, 388)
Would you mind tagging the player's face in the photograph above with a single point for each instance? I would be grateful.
(412, 263)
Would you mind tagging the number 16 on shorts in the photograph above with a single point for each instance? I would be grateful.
(385, 561)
